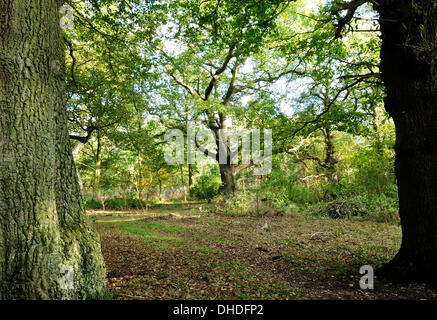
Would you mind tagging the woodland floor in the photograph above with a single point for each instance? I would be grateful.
(182, 252)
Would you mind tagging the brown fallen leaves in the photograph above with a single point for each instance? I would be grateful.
(217, 258)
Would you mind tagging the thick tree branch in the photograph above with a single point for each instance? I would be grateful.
(219, 71)
(179, 82)
(270, 79)
(327, 108)
(351, 7)
(231, 88)
(70, 46)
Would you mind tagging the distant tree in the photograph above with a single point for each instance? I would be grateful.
(227, 51)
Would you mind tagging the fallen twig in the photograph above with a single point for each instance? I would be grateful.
(316, 233)
(130, 296)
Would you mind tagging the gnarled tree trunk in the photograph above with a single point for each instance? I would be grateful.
(409, 50)
(47, 248)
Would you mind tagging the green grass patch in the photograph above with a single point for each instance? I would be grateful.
(162, 227)
(145, 233)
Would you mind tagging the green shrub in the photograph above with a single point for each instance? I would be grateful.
(206, 188)
(92, 204)
(379, 208)
(342, 208)
(383, 208)
(135, 203)
(248, 204)
(124, 204)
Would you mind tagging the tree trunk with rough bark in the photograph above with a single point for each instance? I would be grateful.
(76, 151)
(140, 178)
(408, 65)
(190, 178)
(98, 169)
(226, 167)
(330, 159)
(47, 248)
(330, 164)
(228, 179)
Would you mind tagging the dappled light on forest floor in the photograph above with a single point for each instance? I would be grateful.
(299, 256)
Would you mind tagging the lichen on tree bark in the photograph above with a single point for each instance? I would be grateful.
(43, 227)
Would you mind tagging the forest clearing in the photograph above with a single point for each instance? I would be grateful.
(218, 150)
(184, 252)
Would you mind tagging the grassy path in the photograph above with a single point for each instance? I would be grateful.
(163, 255)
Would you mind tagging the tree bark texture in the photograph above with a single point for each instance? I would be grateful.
(44, 233)
(408, 65)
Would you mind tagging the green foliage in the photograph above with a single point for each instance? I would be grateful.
(121, 203)
(384, 208)
(206, 187)
(248, 204)
(199, 62)
(379, 208)
(92, 204)
(105, 64)
(282, 182)
(116, 204)
(343, 208)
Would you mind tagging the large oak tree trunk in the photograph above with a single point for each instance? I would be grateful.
(226, 167)
(47, 248)
(409, 71)
(227, 176)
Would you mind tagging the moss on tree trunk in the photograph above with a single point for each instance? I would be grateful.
(48, 250)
